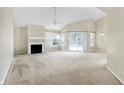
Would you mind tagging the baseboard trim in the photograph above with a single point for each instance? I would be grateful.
(122, 82)
(8, 71)
(100, 51)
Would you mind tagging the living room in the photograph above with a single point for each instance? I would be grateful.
(60, 45)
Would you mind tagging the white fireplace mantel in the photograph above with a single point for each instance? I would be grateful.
(34, 43)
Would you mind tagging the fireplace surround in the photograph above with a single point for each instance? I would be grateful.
(37, 47)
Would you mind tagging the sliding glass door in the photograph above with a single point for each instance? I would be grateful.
(75, 41)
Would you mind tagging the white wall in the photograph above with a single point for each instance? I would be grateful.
(20, 40)
(116, 42)
(101, 26)
(6, 41)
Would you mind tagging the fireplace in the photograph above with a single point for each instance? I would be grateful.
(36, 48)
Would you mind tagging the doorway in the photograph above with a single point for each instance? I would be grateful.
(75, 41)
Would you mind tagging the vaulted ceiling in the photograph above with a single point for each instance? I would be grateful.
(45, 15)
(106, 9)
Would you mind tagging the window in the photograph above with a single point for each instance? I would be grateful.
(92, 39)
(75, 41)
(56, 39)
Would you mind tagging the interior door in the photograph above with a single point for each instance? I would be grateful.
(75, 41)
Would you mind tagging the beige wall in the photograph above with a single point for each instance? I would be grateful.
(6, 41)
(22, 37)
(101, 26)
(49, 41)
(116, 42)
(85, 25)
(47, 35)
(39, 31)
(20, 40)
(36, 31)
(64, 47)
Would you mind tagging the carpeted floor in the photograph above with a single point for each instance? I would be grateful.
(61, 68)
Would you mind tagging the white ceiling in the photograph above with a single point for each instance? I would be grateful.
(106, 9)
(45, 15)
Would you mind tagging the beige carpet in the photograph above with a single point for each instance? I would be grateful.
(61, 68)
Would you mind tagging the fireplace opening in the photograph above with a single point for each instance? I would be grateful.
(37, 48)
